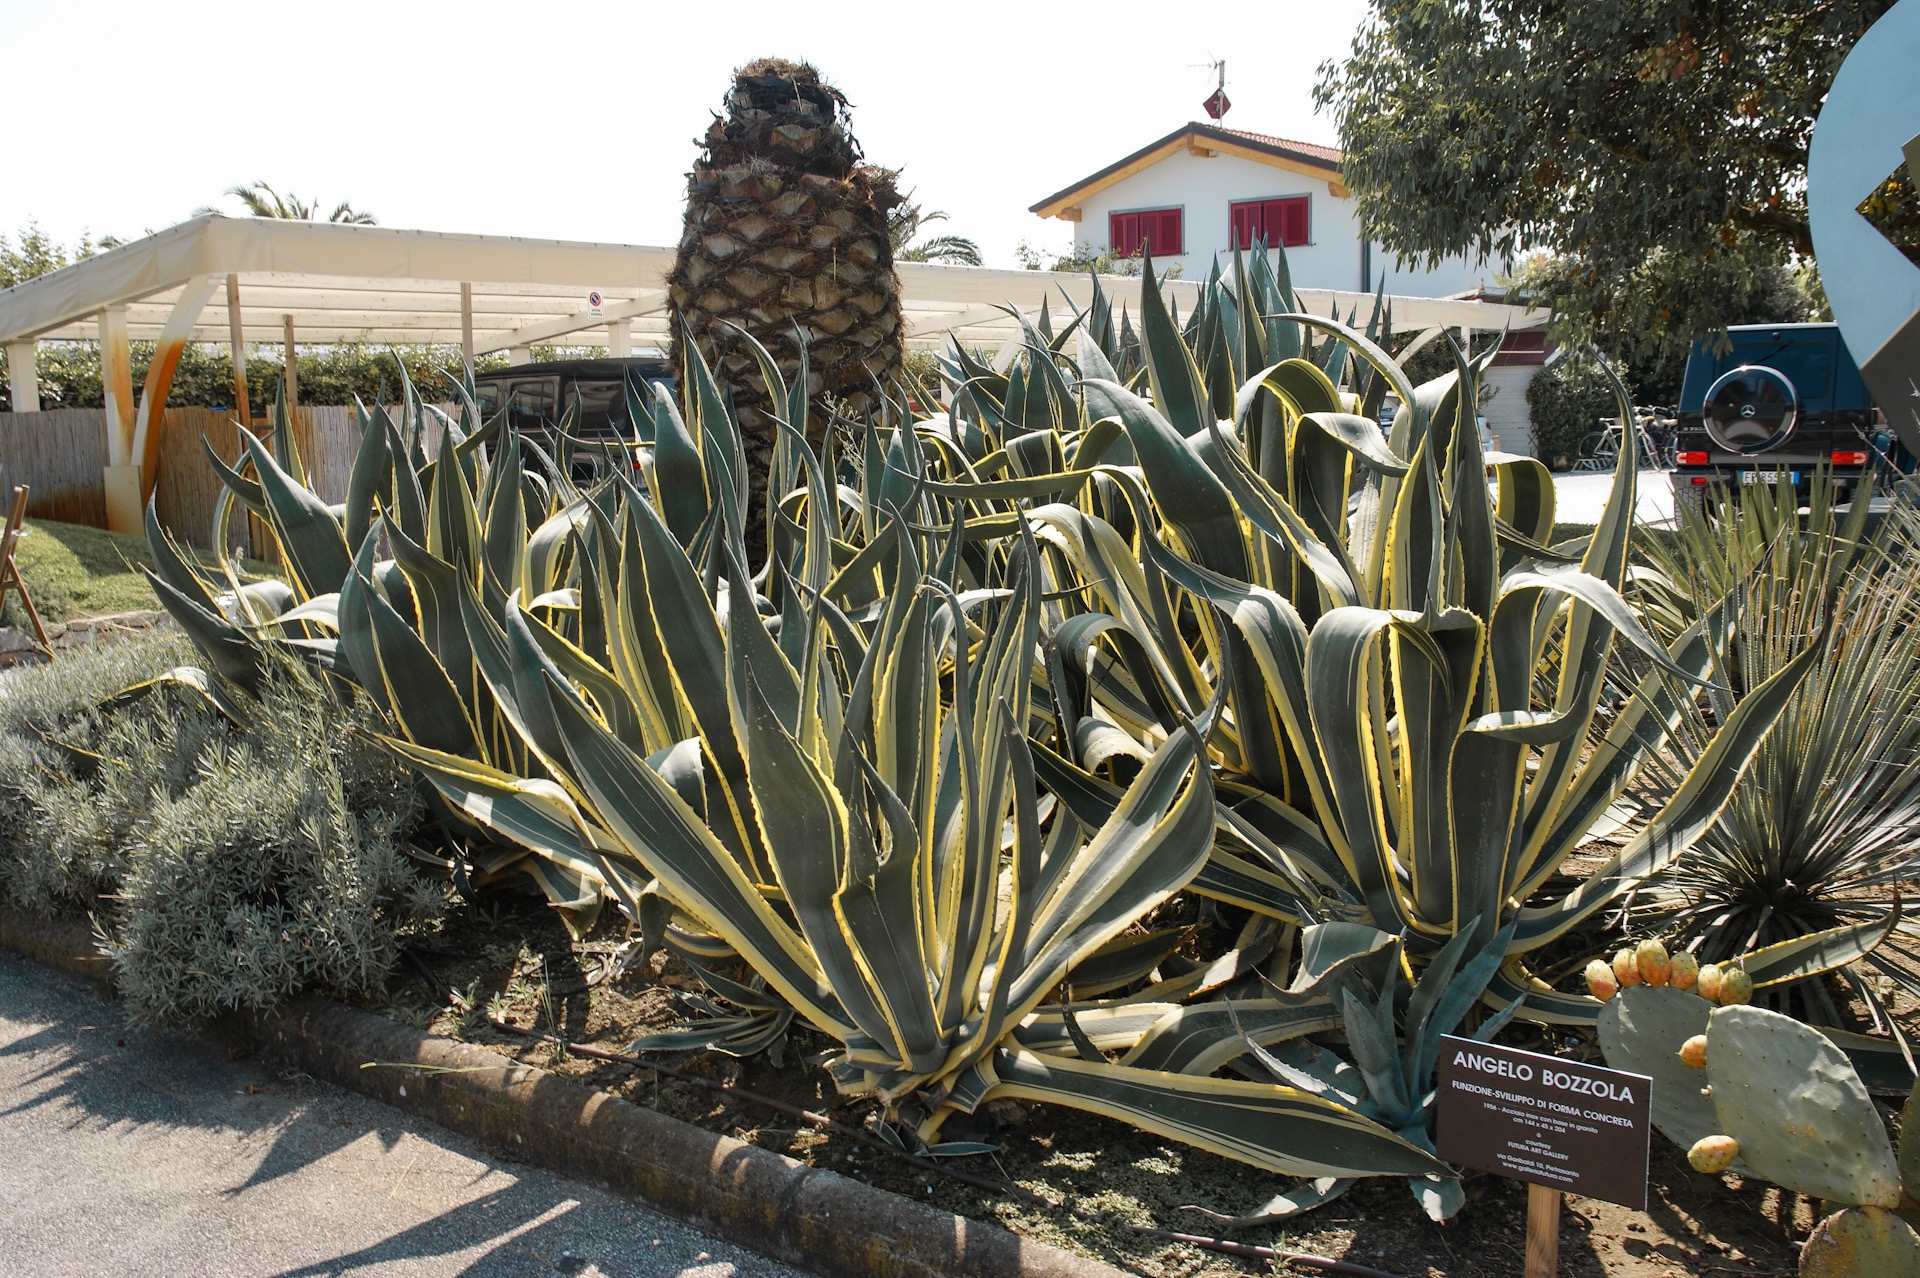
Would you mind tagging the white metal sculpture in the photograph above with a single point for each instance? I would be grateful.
(1869, 124)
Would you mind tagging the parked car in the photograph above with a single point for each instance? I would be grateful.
(537, 396)
(1771, 405)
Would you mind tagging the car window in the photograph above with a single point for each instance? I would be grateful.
(533, 404)
(603, 407)
(1808, 365)
(487, 395)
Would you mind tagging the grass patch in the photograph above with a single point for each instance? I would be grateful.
(75, 571)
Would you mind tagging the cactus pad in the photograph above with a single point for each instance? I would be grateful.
(1910, 1145)
(1861, 1242)
(1802, 1116)
(1641, 1030)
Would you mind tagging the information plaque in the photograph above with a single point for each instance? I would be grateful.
(1582, 1129)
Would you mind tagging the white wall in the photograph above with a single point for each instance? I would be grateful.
(1204, 186)
(1503, 402)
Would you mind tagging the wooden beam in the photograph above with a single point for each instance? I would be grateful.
(1204, 152)
(293, 370)
(1338, 190)
(1069, 214)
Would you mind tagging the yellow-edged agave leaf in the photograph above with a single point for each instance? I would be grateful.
(1280, 1129)
(660, 832)
(1202, 1037)
(303, 526)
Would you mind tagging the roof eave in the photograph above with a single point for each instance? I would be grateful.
(1153, 152)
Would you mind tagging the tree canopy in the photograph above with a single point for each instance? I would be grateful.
(904, 225)
(262, 200)
(1655, 147)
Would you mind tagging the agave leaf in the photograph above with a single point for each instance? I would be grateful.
(308, 534)
(1268, 1127)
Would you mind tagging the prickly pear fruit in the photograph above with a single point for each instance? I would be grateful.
(1651, 958)
(1626, 969)
(1707, 984)
(1600, 980)
(1693, 1052)
(1713, 1154)
(1735, 987)
(1683, 971)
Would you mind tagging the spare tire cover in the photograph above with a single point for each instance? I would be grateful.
(1751, 409)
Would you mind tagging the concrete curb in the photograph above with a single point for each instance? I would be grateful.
(817, 1220)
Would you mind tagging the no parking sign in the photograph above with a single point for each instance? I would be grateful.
(593, 304)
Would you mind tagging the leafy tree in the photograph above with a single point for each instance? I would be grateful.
(1656, 147)
(34, 253)
(262, 200)
(1659, 307)
(904, 225)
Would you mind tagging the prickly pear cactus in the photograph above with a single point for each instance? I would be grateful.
(1641, 1030)
(1861, 1242)
(1802, 1116)
(1910, 1146)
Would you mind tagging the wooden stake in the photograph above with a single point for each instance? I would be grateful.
(1543, 1231)
(236, 342)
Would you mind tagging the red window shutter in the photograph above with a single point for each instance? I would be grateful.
(1289, 218)
(1170, 242)
(1243, 225)
(1123, 234)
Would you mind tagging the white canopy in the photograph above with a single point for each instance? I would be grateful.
(339, 283)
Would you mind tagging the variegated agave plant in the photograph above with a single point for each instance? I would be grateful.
(947, 750)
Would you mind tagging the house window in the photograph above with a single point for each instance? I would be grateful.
(1269, 222)
(1158, 231)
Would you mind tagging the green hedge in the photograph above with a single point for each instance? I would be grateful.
(1566, 402)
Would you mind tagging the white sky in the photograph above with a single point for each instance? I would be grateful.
(577, 121)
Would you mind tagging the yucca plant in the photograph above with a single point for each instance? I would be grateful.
(1808, 856)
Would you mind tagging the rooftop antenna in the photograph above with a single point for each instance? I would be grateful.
(1217, 103)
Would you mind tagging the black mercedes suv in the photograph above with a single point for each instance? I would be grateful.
(1770, 405)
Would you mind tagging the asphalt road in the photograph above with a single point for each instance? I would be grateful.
(1579, 498)
(124, 1151)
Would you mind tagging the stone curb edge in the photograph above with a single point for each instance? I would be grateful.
(817, 1220)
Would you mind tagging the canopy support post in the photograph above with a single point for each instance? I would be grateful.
(23, 375)
(619, 338)
(466, 328)
(293, 369)
(116, 387)
(149, 425)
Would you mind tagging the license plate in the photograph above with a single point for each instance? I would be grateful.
(1769, 476)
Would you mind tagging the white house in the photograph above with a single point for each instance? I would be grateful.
(1188, 197)
(1202, 190)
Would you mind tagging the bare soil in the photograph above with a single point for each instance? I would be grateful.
(513, 963)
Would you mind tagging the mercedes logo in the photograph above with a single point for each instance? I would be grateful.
(1746, 410)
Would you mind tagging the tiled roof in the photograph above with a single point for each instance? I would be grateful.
(1284, 150)
(1331, 154)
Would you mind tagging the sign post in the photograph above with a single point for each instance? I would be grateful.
(1559, 1125)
